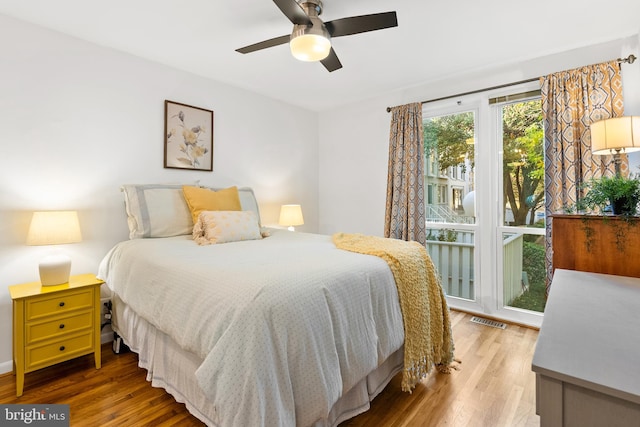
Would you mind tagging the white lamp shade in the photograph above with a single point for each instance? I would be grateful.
(310, 47)
(617, 134)
(54, 228)
(291, 215)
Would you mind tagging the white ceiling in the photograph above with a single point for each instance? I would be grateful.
(433, 39)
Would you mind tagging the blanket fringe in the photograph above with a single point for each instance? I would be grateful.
(447, 367)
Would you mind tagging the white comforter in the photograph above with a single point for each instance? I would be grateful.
(284, 325)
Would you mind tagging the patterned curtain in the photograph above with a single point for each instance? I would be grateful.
(405, 210)
(571, 101)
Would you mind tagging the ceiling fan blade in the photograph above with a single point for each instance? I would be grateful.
(293, 11)
(361, 24)
(331, 62)
(265, 44)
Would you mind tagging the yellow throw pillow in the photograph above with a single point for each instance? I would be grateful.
(202, 199)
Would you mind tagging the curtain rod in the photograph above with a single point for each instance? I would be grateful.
(629, 60)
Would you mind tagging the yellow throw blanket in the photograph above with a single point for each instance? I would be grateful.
(427, 327)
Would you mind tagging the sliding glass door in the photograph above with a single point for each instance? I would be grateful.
(484, 193)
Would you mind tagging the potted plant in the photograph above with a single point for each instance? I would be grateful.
(618, 194)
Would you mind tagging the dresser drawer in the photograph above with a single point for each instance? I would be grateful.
(61, 302)
(57, 351)
(39, 331)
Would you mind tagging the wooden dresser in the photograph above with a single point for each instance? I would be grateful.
(587, 358)
(609, 245)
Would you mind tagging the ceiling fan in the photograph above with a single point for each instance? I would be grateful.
(310, 39)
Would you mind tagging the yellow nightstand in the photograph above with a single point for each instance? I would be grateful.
(52, 324)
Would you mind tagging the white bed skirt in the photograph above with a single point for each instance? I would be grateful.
(173, 369)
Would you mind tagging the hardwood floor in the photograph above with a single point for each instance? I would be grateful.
(494, 387)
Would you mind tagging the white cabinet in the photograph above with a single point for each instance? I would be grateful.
(587, 358)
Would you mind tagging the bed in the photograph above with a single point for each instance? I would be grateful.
(282, 329)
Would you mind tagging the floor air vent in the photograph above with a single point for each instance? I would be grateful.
(487, 322)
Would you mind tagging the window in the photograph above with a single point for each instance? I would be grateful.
(442, 194)
(457, 200)
(489, 200)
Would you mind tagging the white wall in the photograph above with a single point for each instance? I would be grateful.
(78, 120)
(354, 140)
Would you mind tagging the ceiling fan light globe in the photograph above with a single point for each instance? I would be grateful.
(310, 47)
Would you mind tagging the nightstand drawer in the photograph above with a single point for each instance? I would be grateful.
(46, 305)
(38, 356)
(39, 331)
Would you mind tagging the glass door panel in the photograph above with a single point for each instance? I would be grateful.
(450, 200)
(523, 217)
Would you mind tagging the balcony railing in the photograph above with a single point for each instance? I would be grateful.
(455, 264)
(442, 213)
(513, 279)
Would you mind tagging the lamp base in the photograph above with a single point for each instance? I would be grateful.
(291, 228)
(55, 270)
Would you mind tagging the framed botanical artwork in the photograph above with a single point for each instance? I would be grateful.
(188, 137)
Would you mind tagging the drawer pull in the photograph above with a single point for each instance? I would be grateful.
(61, 348)
(61, 304)
(61, 325)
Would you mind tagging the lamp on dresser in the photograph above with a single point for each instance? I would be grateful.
(615, 136)
(291, 215)
(54, 228)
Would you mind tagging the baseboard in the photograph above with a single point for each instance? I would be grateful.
(6, 367)
(107, 336)
(498, 319)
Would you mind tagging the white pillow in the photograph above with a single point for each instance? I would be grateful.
(247, 199)
(226, 226)
(156, 210)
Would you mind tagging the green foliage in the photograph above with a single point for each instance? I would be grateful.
(451, 137)
(523, 158)
(533, 263)
(444, 235)
(618, 192)
(534, 299)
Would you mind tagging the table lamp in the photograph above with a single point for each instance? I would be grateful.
(54, 228)
(614, 136)
(291, 215)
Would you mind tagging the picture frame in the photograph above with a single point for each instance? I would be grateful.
(188, 137)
